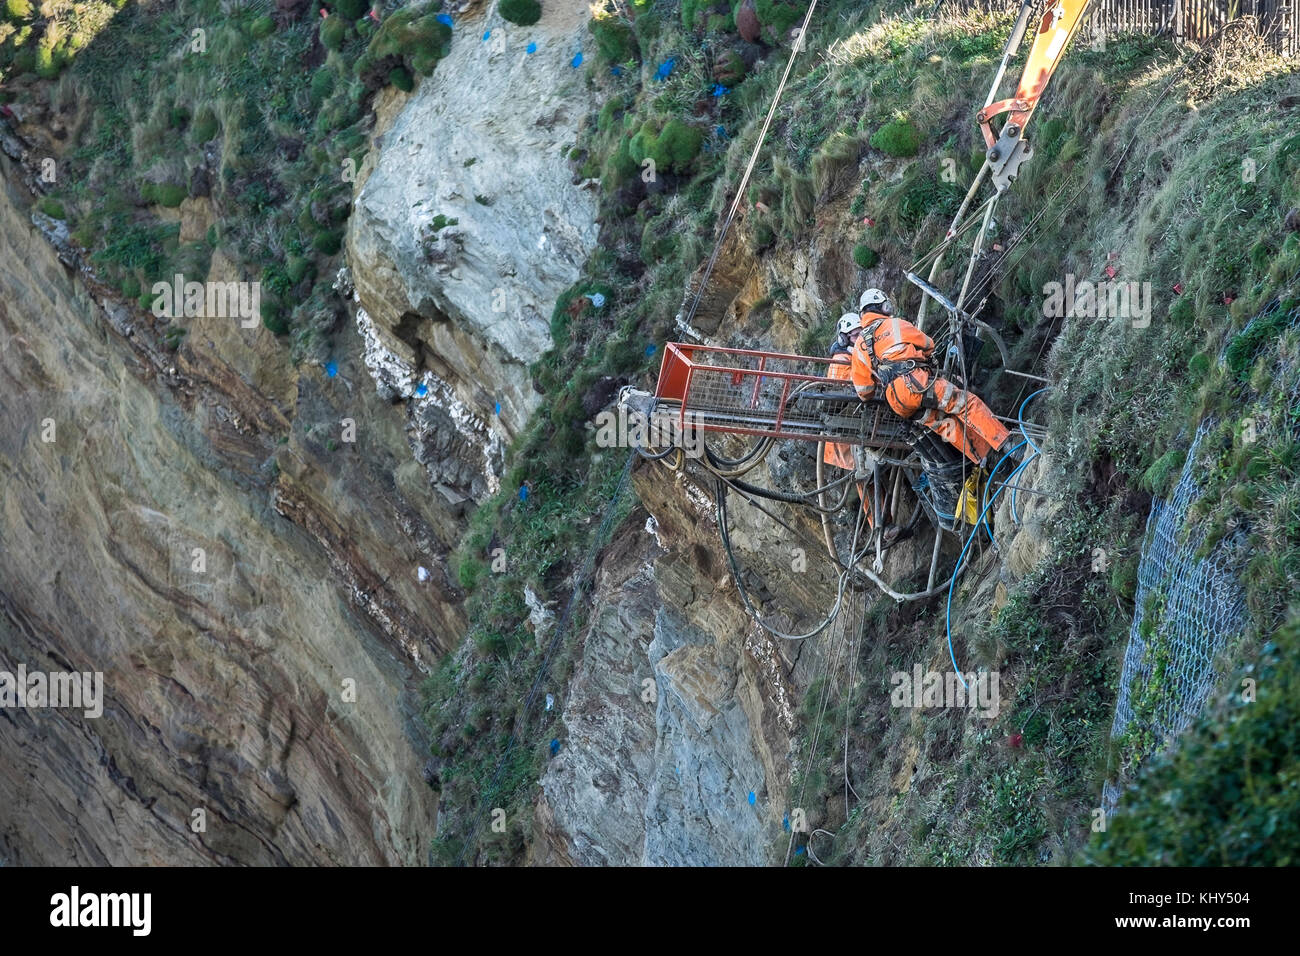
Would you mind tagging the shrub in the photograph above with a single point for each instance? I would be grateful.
(261, 28)
(164, 194)
(328, 242)
(521, 12)
(401, 79)
(178, 117)
(420, 40)
(352, 9)
(1226, 795)
(322, 85)
(204, 126)
(273, 317)
(865, 256)
(897, 138)
(332, 31)
(614, 38)
(678, 145)
(52, 208)
(16, 10)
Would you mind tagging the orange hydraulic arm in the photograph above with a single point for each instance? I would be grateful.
(1008, 149)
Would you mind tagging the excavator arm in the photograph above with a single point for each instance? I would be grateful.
(1008, 148)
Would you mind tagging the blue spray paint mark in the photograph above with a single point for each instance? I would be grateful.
(798, 851)
(486, 34)
(752, 799)
(421, 390)
(531, 48)
(785, 823)
(650, 349)
(721, 131)
(577, 60)
(498, 408)
(616, 71)
(720, 90)
(665, 68)
(444, 19)
(597, 299)
(331, 369)
(523, 493)
(555, 746)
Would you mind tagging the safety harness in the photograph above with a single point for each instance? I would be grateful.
(886, 370)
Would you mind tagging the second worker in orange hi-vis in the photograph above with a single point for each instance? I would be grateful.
(894, 360)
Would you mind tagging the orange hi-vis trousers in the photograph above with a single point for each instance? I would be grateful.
(954, 414)
(839, 455)
(917, 393)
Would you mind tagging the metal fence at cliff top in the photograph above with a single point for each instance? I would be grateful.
(1183, 20)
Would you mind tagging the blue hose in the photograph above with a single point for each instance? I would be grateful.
(962, 558)
(1020, 418)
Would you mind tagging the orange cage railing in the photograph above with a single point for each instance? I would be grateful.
(769, 394)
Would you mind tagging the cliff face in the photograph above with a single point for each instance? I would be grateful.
(468, 223)
(250, 596)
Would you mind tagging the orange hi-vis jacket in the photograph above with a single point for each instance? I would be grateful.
(893, 356)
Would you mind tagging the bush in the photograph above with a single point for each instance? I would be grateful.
(419, 40)
(332, 31)
(678, 145)
(204, 126)
(865, 256)
(297, 268)
(401, 79)
(1227, 794)
(261, 28)
(322, 85)
(164, 194)
(614, 38)
(522, 12)
(352, 9)
(328, 242)
(51, 207)
(897, 138)
(16, 10)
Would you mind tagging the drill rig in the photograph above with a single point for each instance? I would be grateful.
(762, 398)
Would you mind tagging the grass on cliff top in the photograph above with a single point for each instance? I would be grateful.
(261, 121)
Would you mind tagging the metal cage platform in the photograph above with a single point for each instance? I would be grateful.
(768, 394)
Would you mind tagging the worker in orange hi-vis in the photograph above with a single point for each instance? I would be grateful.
(893, 356)
(848, 330)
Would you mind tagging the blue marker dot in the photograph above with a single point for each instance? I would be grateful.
(444, 19)
(498, 408)
(577, 60)
(721, 131)
(486, 34)
(421, 389)
(331, 369)
(798, 851)
(523, 493)
(531, 48)
(752, 799)
(720, 90)
(650, 349)
(616, 71)
(555, 746)
(785, 823)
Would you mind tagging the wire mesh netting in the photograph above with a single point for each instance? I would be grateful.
(1187, 609)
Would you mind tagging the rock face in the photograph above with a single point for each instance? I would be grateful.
(195, 526)
(468, 225)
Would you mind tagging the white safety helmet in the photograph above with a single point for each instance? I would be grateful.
(875, 300)
(849, 323)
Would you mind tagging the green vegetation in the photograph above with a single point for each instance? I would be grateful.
(522, 12)
(898, 137)
(865, 256)
(1226, 796)
(271, 148)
